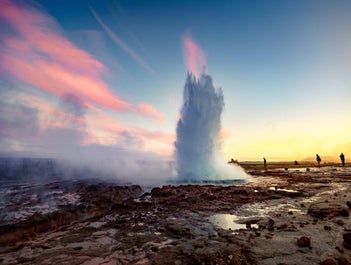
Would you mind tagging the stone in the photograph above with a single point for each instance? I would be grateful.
(200, 243)
(343, 261)
(303, 242)
(323, 210)
(347, 240)
(340, 222)
(178, 230)
(329, 261)
(270, 225)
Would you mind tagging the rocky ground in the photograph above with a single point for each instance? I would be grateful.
(295, 216)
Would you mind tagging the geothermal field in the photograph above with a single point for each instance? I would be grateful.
(283, 216)
(207, 211)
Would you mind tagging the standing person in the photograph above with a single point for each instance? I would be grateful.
(318, 160)
(265, 163)
(342, 158)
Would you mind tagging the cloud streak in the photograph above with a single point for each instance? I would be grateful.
(194, 56)
(123, 45)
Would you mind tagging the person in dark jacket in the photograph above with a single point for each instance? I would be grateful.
(342, 158)
(318, 160)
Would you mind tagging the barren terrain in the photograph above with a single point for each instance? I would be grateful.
(286, 216)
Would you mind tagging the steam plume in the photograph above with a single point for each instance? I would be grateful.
(197, 146)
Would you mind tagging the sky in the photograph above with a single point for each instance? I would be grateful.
(89, 76)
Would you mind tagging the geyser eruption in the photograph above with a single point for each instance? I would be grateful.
(198, 155)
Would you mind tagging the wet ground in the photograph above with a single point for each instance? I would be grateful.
(283, 217)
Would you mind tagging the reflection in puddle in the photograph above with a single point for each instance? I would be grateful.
(285, 190)
(228, 222)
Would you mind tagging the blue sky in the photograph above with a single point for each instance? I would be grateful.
(284, 67)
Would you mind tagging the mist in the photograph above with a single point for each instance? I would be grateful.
(55, 148)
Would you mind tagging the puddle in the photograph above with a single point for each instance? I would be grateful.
(285, 190)
(337, 188)
(266, 209)
(228, 222)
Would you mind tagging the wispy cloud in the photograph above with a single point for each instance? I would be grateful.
(58, 80)
(40, 33)
(62, 102)
(123, 45)
(39, 55)
(150, 111)
(194, 56)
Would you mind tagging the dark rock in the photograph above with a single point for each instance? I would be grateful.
(178, 231)
(323, 210)
(329, 261)
(303, 242)
(270, 225)
(200, 243)
(327, 228)
(344, 213)
(154, 249)
(349, 204)
(340, 249)
(340, 222)
(347, 240)
(343, 261)
(283, 226)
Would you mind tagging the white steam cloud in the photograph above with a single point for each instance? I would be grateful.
(58, 146)
(198, 155)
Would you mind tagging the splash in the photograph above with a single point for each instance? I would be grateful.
(198, 156)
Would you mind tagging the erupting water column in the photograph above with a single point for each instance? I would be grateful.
(198, 155)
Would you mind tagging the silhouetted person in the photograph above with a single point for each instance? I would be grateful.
(342, 158)
(265, 163)
(318, 160)
(232, 161)
(296, 163)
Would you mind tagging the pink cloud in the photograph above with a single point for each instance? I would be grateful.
(194, 56)
(98, 127)
(161, 136)
(41, 56)
(149, 110)
(41, 33)
(51, 117)
(105, 129)
(58, 81)
(157, 141)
